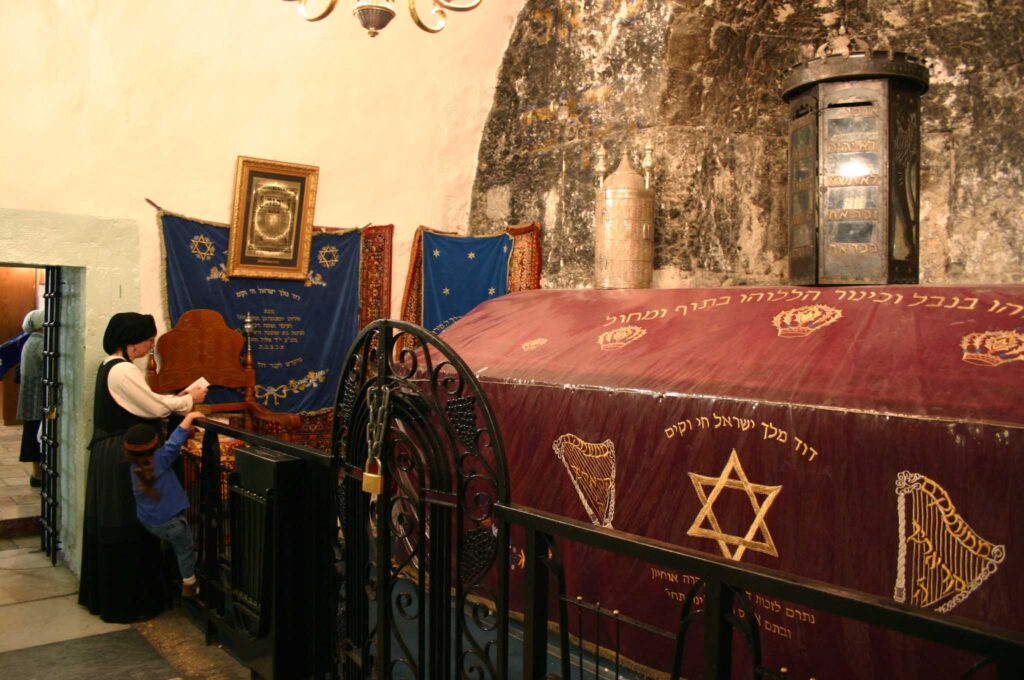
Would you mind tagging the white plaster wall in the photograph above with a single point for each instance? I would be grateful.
(100, 277)
(108, 102)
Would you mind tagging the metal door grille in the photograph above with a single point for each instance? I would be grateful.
(251, 557)
(49, 512)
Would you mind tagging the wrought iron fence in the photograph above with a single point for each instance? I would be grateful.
(721, 589)
(239, 532)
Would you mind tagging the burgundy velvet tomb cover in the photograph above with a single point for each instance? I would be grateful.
(868, 437)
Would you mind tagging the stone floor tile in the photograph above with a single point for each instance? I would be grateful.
(28, 575)
(29, 624)
(122, 654)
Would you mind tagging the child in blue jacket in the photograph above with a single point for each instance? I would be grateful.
(160, 501)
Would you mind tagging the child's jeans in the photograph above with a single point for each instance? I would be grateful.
(176, 532)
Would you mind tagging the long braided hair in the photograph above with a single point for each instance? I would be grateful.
(140, 441)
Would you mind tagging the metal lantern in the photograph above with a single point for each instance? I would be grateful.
(624, 225)
(854, 166)
(374, 15)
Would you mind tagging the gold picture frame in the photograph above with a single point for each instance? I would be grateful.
(272, 219)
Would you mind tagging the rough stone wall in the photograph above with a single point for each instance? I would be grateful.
(701, 80)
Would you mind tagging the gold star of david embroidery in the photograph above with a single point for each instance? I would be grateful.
(446, 291)
(437, 253)
(491, 290)
(328, 256)
(471, 255)
(726, 480)
(202, 247)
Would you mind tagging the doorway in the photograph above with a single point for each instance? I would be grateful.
(28, 289)
(22, 292)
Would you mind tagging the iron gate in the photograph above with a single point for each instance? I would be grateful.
(422, 590)
(49, 512)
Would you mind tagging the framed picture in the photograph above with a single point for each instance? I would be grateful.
(272, 219)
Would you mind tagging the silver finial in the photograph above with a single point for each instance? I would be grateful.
(648, 164)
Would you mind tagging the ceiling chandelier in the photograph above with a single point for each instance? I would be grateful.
(374, 15)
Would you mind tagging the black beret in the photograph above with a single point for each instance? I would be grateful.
(128, 328)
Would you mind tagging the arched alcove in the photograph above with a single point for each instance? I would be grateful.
(702, 80)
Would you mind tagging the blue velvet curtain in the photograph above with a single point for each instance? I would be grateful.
(303, 328)
(460, 272)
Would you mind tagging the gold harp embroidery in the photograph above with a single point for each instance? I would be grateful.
(942, 558)
(591, 469)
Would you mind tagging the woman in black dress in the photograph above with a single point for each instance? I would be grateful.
(121, 574)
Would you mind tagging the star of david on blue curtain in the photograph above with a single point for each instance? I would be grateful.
(303, 328)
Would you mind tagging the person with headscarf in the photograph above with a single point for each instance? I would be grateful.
(121, 577)
(30, 392)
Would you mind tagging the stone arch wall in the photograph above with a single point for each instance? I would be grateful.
(701, 79)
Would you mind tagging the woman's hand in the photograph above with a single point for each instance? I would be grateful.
(198, 394)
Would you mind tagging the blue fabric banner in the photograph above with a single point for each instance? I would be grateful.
(460, 272)
(303, 328)
(10, 353)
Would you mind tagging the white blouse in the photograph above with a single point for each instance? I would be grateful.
(127, 385)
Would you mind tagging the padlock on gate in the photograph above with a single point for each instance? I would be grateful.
(373, 482)
(378, 400)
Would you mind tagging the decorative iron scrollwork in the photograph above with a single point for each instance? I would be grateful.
(460, 412)
(427, 541)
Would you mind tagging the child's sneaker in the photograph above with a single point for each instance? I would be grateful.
(190, 590)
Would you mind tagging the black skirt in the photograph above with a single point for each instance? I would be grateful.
(29, 443)
(122, 578)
